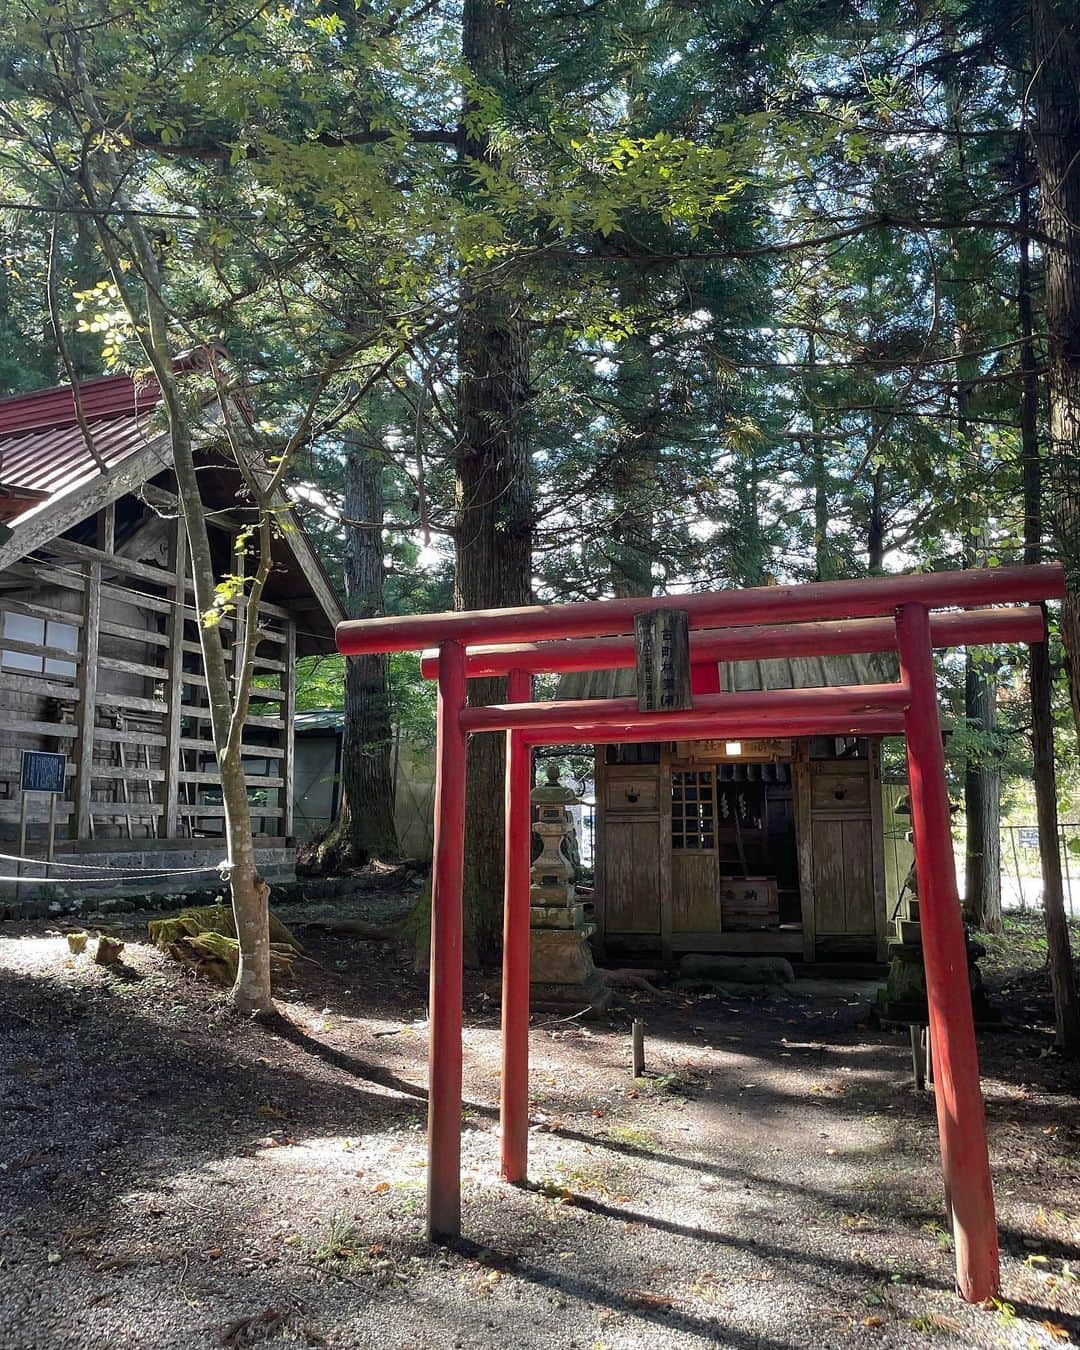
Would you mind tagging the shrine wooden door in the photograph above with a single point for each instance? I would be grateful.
(695, 873)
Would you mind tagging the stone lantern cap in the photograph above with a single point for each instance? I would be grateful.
(553, 792)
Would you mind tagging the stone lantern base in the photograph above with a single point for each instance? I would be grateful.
(561, 970)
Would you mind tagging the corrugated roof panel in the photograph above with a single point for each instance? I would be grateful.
(804, 672)
(56, 460)
(106, 397)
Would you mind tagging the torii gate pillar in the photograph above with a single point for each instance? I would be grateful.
(961, 1118)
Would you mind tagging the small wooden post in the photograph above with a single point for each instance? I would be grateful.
(928, 1057)
(23, 808)
(51, 854)
(921, 1057)
(637, 1047)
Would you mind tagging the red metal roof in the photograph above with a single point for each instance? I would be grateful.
(42, 450)
(46, 409)
(56, 460)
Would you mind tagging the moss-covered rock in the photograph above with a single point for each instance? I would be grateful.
(217, 919)
(204, 939)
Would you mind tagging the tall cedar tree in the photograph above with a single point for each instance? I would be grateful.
(493, 526)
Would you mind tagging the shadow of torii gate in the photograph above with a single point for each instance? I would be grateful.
(840, 617)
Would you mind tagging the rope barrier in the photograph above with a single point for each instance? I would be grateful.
(63, 881)
(222, 868)
(104, 867)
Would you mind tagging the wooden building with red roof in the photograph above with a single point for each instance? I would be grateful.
(99, 651)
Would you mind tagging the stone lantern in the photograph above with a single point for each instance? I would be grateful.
(561, 968)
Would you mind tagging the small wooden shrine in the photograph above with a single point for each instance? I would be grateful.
(785, 846)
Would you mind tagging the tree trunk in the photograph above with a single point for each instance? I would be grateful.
(634, 472)
(982, 773)
(747, 542)
(250, 894)
(982, 804)
(493, 527)
(1056, 88)
(228, 705)
(1062, 974)
(824, 569)
(365, 826)
(875, 524)
(227, 700)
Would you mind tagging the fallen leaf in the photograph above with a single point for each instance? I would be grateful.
(118, 1262)
(647, 1299)
(33, 1159)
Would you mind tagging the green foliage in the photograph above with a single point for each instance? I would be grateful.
(765, 257)
(321, 684)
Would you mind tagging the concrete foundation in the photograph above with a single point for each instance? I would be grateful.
(277, 865)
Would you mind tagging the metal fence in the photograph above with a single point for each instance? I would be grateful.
(1021, 866)
(585, 823)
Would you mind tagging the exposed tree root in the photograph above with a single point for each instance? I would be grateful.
(204, 940)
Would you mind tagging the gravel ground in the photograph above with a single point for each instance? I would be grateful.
(173, 1176)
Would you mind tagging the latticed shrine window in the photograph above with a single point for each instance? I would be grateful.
(693, 809)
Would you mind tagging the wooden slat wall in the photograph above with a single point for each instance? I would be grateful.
(143, 763)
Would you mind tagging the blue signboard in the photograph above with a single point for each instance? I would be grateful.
(43, 771)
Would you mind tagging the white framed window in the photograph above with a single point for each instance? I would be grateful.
(31, 631)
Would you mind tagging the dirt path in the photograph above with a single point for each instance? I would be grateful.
(173, 1177)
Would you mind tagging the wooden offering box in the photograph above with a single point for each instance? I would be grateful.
(749, 902)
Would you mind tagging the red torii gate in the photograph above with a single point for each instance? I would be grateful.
(876, 614)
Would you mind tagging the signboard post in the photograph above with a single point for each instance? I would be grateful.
(42, 771)
(662, 641)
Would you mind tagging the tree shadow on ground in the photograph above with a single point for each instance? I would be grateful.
(595, 1292)
(125, 1078)
(757, 1247)
(200, 1078)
